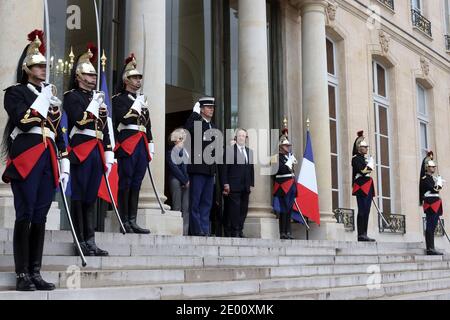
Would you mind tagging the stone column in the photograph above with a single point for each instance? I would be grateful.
(152, 15)
(315, 107)
(17, 19)
(254, 111)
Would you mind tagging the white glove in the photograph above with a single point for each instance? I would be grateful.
(97, 100)
(42, 102)
(197, 108)
(294, 160)
(109, 159)
(151, 148)
(290, 162)
(65, 173)
(371, 163)
(138, 103)
(440, 182)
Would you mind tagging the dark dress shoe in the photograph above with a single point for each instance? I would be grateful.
(97, 251)
(24, 283)
(433, 252)
(365, 239)
(41, 284)
(289, 237)
(283, 236)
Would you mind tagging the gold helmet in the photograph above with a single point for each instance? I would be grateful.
(84, 63)
(359, 142)
(35, 51)
(284, 141)
(130, 68)
(428, 161)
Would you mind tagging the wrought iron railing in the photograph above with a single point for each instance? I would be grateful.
(447, 42)
(439, 232)
(420, 22)
(346, 217)
(397, 224)
(388, 3)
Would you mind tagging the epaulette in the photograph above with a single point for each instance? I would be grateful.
(14, 85)
(69, 91)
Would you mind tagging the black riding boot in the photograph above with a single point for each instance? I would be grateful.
(289, 227)
(431, 251)
(132, 212)
(89, 230)
(123, 199)
(282, 225)
(76, 212)
(37, 236)
(21, 256)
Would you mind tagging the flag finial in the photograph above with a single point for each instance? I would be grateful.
(308, 124)
(104, 59)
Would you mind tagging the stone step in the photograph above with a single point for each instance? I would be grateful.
(60, 263)
(432, 295)
(122, 277)
(250, 289)
(135, 239)
(386, 291)
(54, 248)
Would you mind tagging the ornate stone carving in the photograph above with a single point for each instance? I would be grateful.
(425, 66)
(331, 11)
(384, 41)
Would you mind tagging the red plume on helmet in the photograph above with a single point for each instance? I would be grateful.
(430, 154)
(91, 46)
(130, 58)
(360, 133)
(40, 34)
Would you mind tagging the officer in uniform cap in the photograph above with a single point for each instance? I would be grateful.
(285, 188)
(363, 185)
(91, 153)
(33, 142)
(430, 186)
(201, 173)
(134, 148)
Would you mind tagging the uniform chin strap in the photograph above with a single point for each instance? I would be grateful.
(83, 80)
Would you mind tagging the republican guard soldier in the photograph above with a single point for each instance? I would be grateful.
(33, 143)
(363, 185)
(430, 186)
(134, 149)
(90, 149)
(285, 187)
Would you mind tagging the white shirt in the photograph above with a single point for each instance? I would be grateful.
(244, 152)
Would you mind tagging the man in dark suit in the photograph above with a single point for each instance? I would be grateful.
(238, 176)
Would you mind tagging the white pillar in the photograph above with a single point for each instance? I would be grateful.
(152, 15)
(254, 109)
(316, 108)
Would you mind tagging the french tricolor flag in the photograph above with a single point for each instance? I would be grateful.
(307, 195)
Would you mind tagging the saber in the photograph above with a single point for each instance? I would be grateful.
(301, 214)
(47, 44)
(163, 211)
(443, 229)
(380, 214)
(72, 229)
(108, 186)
